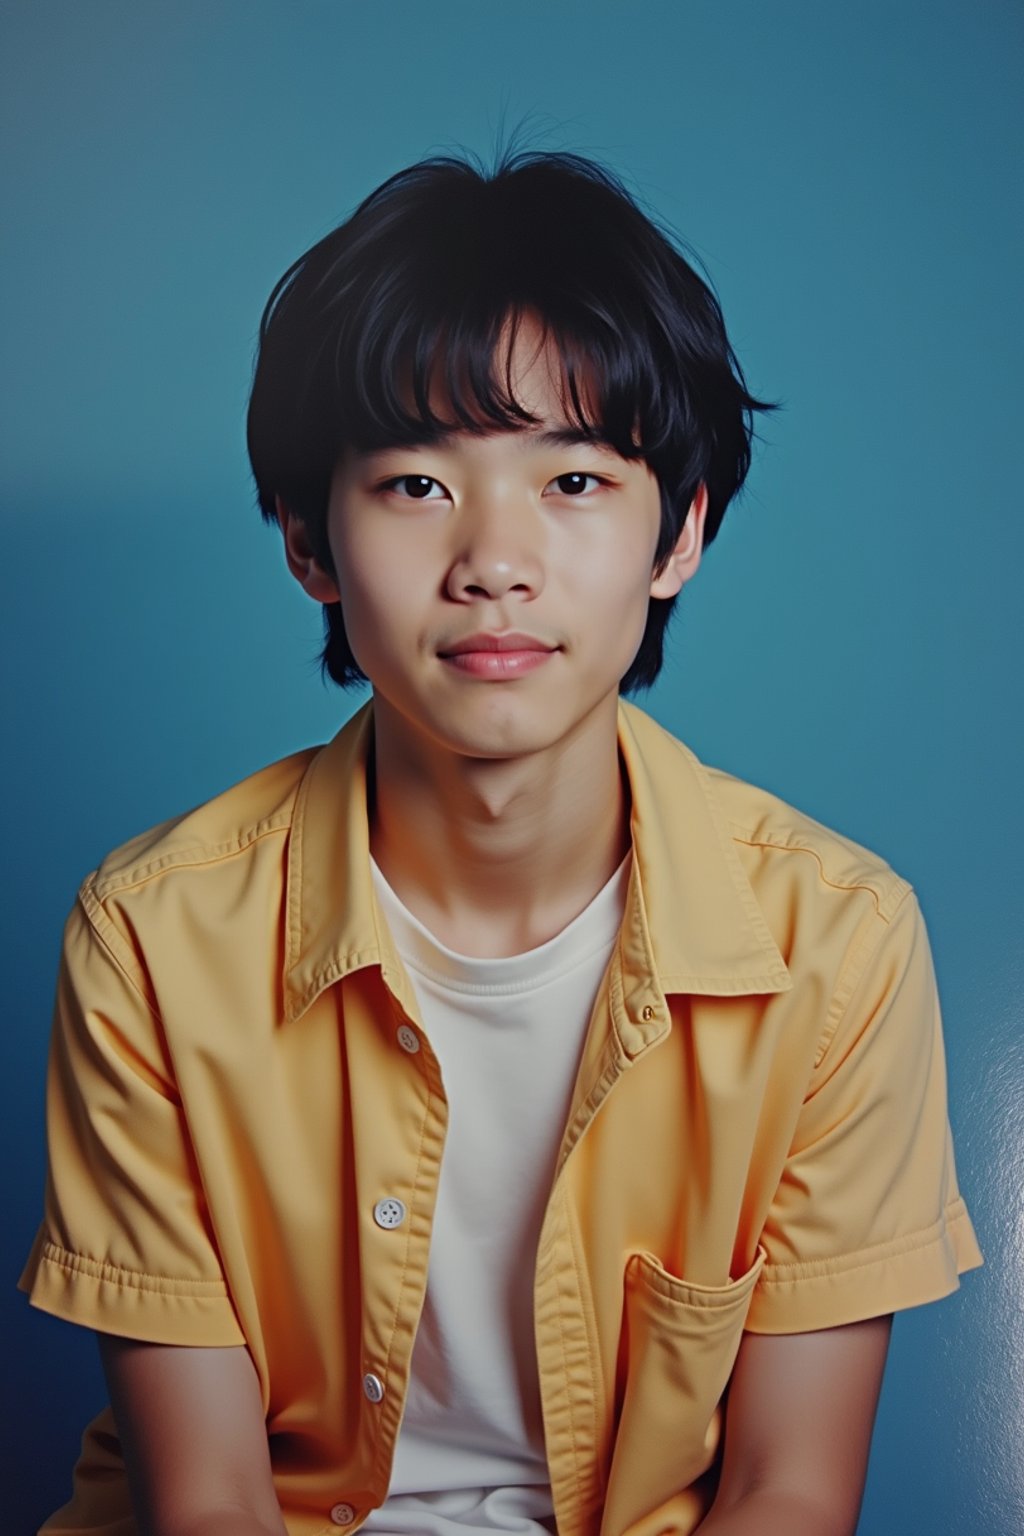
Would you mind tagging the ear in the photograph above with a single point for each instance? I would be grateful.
(302, 562)
(684, 559)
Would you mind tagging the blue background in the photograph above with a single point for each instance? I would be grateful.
(850, 175)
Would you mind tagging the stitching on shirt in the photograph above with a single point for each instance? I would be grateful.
(335, 970)
(107, 935)
(565, 1369)
(135, 1279)
(191, 857)
(866, 1258)
(585, 1112)
(294, 875)
(865, 947)
(397, 1015)
(732, 985)
(867, 942)
(408, 1245)
(590, 1327)
(616, 993)
(882, 893)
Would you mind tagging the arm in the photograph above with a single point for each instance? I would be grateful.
(798, 1424)
(194, 1439)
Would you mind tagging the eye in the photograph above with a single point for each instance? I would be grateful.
(575, 483)
(415, 487)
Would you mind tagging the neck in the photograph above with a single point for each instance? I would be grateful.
(496, 856)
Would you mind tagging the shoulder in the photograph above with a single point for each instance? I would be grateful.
(745, 871)
(771, 837)
(170, 892)
(770, 834)
(230, 824)
(849, 927)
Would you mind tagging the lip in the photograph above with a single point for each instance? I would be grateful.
(510, 641)
(499, 657)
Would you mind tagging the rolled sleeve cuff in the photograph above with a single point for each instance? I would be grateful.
(826, 1293)
(152, 1308)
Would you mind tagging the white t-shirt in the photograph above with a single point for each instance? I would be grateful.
(470, 1453)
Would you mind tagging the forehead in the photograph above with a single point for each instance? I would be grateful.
(533, 371)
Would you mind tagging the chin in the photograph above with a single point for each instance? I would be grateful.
(509, 727)
(497, 720)
(499, 741)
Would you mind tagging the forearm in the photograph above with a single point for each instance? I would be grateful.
(771, 1512)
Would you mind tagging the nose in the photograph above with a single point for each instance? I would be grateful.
(496, 554)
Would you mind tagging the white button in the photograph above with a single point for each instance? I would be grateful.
(389, 1213)
(408, 1039)
(373, 1387)
(343, 1514)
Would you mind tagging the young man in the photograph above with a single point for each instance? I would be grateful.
(647, 1064)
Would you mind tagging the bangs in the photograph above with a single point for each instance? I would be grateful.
(419, 381)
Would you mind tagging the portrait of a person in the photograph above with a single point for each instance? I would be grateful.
(496, 1119)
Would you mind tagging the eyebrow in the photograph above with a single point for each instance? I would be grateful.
(567, 436)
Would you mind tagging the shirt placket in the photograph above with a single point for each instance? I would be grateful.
(395, 1218)
(631, 1015)
(425, 1175)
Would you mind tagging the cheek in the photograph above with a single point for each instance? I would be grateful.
(363, 564)
(628, 589)
(359, 590)
(612, 601)
(382, 592)
(616, 578)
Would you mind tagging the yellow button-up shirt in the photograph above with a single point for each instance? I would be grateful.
(757, 1138)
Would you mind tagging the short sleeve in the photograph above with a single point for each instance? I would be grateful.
(126, 1245)
(867, 1218)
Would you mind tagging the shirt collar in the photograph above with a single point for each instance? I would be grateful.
(331, 919)
(707, 933)
(691, 913)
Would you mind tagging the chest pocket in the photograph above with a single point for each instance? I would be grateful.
(681, 1345)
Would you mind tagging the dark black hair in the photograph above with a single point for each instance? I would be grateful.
(417, 288)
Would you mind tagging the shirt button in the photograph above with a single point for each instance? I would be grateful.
(342, 1514)
(389, 1213)
(408, 1039)
(373, 1387)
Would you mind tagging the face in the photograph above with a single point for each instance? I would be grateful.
(495, 588)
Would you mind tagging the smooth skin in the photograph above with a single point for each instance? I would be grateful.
(194, 1439)
(798, 1425)
(482, 765)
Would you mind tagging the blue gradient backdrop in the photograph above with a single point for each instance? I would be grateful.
(850, 175)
